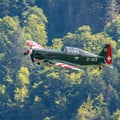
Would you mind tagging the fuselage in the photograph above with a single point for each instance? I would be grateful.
(80, 58)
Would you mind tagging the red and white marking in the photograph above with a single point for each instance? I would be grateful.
(37, 60)
(33, 44)
(109, 55)
(67, 66)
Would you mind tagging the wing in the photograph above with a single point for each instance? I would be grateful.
(64, 65)
(33, 44)
(67, 66)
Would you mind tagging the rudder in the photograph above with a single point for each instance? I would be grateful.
(107, 53)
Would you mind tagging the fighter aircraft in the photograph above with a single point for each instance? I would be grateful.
(69, 57)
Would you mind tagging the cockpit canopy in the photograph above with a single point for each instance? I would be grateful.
(77, 51)
(71, 50)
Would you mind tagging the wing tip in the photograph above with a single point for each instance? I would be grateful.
(34, 44)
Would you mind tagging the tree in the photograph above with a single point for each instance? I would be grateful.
(10, 42)
(22, 82)
(23, 77)
(4, 7)
(14, 7)
(86, 111)
(111, 10)
(93, 109)
(113, 28)
(116, 115)
(57, 44)
(35, 31)
(21, 94)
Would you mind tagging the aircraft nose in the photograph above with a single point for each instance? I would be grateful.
(29, 52)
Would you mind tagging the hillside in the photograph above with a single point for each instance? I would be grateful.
(33, 92)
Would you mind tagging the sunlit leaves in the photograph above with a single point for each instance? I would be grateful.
(57, 43)
(34, 25)
(8, 79)
(35, 85)
(54, 75)
(113, 28)
(75, 78)
(8, 26)
(61, 101)
(2, 89)
(2, 55)
(21, 91)
(116, 115)
(23, 77)
(95, 72)
(86, 110)
(85, 30)
(37, 98)
(21, 94)
(36, 11)
(93, 109)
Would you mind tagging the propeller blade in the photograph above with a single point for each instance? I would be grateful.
(31, 56)
(28, 52)
(25, 53)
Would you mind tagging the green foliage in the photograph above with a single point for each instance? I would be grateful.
(23, 77)
(14, 7)
(35, 31)
(8, 79)
(113, 28)
(86, 111)
(93, 109)
(75, 78)
(111, 10)
(57, 44)
(35, 11)
(37, 98)
(21, 94)
(2, 89)
(49, 93)
(54, 75)
(2, 56)
(21, 90)
(116, 115)
(7, 27)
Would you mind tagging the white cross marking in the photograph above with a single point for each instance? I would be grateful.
(109, 58)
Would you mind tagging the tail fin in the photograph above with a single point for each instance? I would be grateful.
(107, 53)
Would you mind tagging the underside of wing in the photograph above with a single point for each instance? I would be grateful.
(67, 66)
(59, 64)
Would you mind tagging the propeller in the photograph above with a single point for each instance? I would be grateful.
(29, 52)
(31, 56)
(26, 53)
(32, 44)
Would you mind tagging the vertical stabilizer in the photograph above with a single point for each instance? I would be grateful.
(107, 53)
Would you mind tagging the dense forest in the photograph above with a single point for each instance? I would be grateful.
(33, 92)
